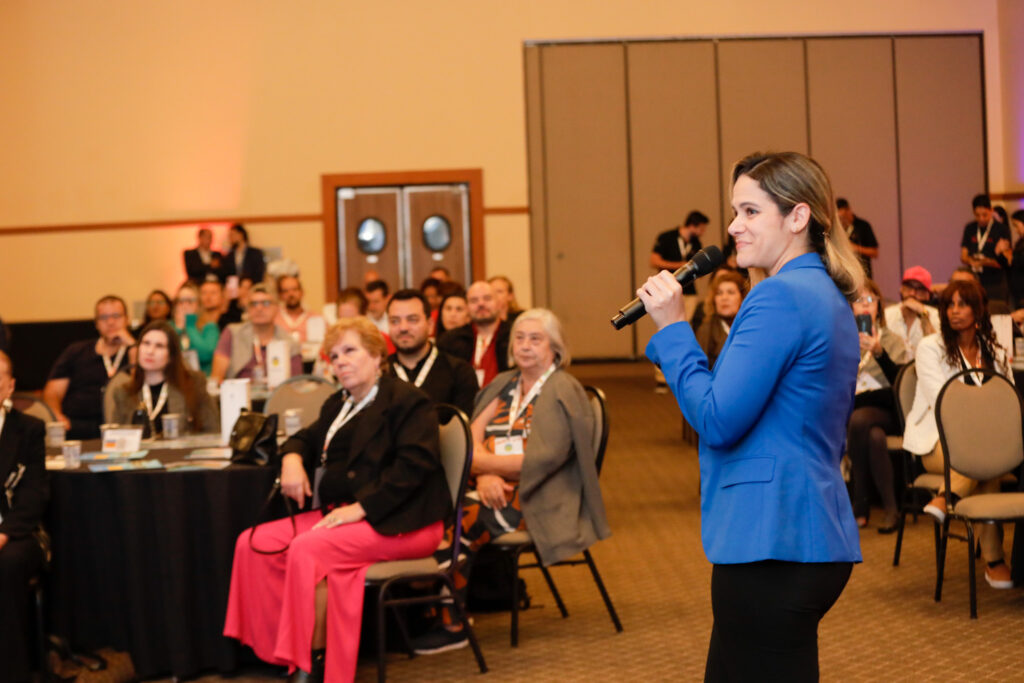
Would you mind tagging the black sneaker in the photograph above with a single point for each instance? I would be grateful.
(439, 639)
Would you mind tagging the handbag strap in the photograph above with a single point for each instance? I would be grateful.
(291, 514)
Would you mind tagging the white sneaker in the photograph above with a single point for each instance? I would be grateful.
(937, 508)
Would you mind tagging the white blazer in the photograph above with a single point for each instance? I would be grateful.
(933, 370)
(912, 335)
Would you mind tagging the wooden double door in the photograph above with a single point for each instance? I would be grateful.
(402, 233)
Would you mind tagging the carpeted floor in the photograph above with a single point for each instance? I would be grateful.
(886, 626)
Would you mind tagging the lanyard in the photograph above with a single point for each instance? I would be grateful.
(112, 366)
(344, 416)
(147, 398)
(967, 363)
(424, 371)
(983, 238)
(257, 351)
(684, 247)
(515, 408)
(482, 344)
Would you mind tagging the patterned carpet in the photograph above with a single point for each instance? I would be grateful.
(886, 626)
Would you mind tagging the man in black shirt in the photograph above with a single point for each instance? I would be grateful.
(443, 377)
(862, 237)
(204, 260)
(984, 247)
(74, 390)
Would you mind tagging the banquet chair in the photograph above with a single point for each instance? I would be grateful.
(32, 405)
(307, 392)
(981, 454)
(519, 542)
(456, 458)
(918, 489)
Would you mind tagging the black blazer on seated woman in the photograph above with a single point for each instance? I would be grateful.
(390, 459)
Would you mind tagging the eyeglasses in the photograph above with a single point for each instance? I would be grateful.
(265, 303)
(109, 316)
(866, 300)
(185, 301)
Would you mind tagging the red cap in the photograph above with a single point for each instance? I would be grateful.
(918, 274)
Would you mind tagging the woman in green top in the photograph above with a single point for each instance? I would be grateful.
(202, 341)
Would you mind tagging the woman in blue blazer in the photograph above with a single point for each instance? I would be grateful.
(776, 518)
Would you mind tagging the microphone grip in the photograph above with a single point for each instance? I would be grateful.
(629, 314)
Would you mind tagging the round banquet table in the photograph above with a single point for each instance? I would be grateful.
(142, 559)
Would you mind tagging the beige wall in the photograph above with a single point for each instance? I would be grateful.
(1011, 32)
(117, 110)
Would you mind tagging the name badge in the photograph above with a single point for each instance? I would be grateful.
(508, 445)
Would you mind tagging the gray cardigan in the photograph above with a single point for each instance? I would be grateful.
(119, 403)
(558, 486)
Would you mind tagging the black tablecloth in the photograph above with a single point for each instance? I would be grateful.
(142, 560)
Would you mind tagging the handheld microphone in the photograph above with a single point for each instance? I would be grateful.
(705, 261)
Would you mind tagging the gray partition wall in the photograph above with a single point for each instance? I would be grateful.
(626, 137)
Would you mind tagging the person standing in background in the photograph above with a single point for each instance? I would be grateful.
(862, 237)
(204, 260)
(674, 248)
(243, 260)
(985, 247)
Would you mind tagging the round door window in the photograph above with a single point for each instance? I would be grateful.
(371, 236)
(437, 233)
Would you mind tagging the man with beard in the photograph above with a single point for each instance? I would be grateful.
(443, 377)
(293, 318)
(914, 318)
(484, 341)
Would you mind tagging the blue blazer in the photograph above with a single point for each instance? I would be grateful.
(772, 420)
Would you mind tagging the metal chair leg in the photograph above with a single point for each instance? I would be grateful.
(604, 593)
(514, 629)
(899, 536)
(971, 569)
(553, 589)
(941, 559)
(381, 636)
(44, 662)
(460, 614)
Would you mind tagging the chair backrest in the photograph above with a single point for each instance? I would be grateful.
(32, 405)
(598, 404)
(981, 427)
(307, 392)
(904, 388)
(457, 459)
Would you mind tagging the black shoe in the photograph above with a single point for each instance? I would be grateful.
(314, 676)
(439, 639)
(891, 523)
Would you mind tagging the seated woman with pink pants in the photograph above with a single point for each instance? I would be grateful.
(378, 494)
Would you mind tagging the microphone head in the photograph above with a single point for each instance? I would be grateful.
(707, 259)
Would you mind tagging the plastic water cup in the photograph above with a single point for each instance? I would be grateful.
(72, 454)
(171, 425)
(55, 434)
(292, 421)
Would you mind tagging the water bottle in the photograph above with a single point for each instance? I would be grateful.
(141, 417)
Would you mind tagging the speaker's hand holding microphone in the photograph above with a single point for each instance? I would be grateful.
(662, 294)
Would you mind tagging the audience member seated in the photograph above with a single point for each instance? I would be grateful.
(874, 411)
(443, 377)
(158, 307)
(74, 390)
(985, 247)
(914, 317)
(965, 274)
(197, 339)
(483, 342)
(377, 304)
(440, 273)
(204, 261)
(242, 349)
(214, 307)
(243, 260)
(1016, 263)
(371, 463)
(160, 384)
(720, 308)
(351, 303)
(533, 461)
(293, 318)
(505, 297)
(454, 313)
(22, 503)
(431, 289)
(965, 341)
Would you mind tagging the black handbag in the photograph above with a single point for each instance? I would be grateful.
(254, 439)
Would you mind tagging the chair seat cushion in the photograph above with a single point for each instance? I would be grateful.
(894, 443)
(513, 538)
(991, 506)
(381, 571)
(930, 481)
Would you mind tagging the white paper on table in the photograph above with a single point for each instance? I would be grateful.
(234, 395)
(1002, 325)
(330, 312)
(316, 328)
(125, 440)
(279, 362)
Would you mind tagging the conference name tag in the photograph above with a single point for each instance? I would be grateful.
(508, 445)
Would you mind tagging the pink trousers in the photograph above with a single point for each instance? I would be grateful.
(272, 600)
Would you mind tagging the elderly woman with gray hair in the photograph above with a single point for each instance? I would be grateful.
(533, 460)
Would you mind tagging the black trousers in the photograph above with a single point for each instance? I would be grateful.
(19, 561)
(766, 618)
